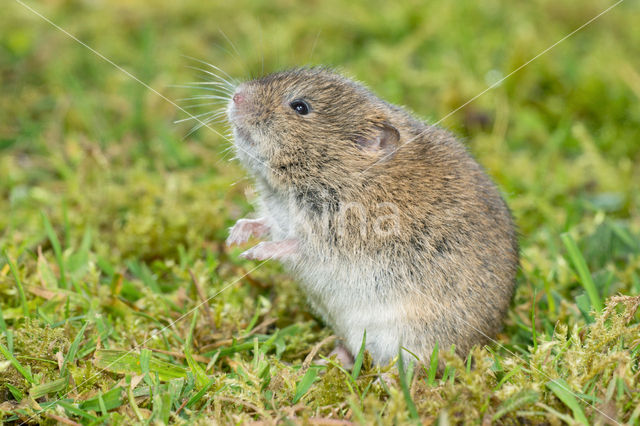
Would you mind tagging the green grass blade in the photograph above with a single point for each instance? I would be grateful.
(73, 409)
(561, 389)
(507, 376)
(175, 389)
(356, 409)
(411, 406)
(580, 265)
(16, 364)
(110, 400)
(16, 277)
(584, 306)
(449, 371)
(17, 393)
(73, 350)
(305, 383)
(3, 325)
(534, 335)
(269, 343)
(9, 335)
(57, 249)
(192, 327)
(198, 396)
(132, 403)
(624, 235)
(78, 262)
(145, 360)
(142, 271)
(162, 406)
(521, 398)
(252, 323)
(54, 386)
(635, 416)
(433, 366)
(201, 376)
(357, 364)
(125, 362)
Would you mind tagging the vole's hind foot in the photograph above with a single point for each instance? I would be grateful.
(245, 229)
(272, 250)
(385, 379)
(343, 356)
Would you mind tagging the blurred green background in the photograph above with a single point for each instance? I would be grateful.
(107, 206)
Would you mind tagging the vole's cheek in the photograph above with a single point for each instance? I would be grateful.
(243, 137)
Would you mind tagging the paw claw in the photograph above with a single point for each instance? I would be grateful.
(245, 229)
(271, 250)
(256, 252)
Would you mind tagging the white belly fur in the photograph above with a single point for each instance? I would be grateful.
(337, 290)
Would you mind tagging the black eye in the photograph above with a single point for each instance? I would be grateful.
(300, 106)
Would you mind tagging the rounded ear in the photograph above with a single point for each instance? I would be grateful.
(384, 139)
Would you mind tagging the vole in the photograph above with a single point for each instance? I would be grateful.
(389, 224)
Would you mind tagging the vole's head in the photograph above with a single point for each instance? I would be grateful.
(311, 124)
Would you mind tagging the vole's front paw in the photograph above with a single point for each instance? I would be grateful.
(271, 250)
(245, 228)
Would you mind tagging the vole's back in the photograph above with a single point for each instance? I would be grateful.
(445, 274)
(460, 242)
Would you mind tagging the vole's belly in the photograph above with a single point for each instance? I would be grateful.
(337, 293)
(279, 217)
(339, 290)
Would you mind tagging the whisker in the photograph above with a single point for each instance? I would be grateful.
(238, 57)
(197, 116)
(218, 84)
(194, 98)
(210, 65)
(313, 47)
(209, 89)
(211, 73)
(194, 129)
(209, 83)
(202, 105)
(199, 125)
(261, 47)
(230, 42)
(222, 71)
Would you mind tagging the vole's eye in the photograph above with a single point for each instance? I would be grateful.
(300, 107)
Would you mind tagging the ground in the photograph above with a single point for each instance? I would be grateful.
(113, 218)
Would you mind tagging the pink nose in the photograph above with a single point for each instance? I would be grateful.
(238, 98)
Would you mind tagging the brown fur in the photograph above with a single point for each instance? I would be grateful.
(450, 267)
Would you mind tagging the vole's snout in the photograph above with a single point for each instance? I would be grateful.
(239, 104)
(238, 98)
(241, 101)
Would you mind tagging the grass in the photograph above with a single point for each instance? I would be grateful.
(112, 223)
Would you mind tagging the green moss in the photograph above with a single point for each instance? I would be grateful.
(35, 347)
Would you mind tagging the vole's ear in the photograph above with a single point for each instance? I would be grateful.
(384, 139)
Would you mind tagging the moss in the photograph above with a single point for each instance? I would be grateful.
(36, 347)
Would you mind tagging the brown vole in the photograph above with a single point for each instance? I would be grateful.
(389, 224)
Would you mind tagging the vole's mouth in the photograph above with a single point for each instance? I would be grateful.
(242, 136)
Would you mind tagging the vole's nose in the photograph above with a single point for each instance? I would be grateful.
(238, 98)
